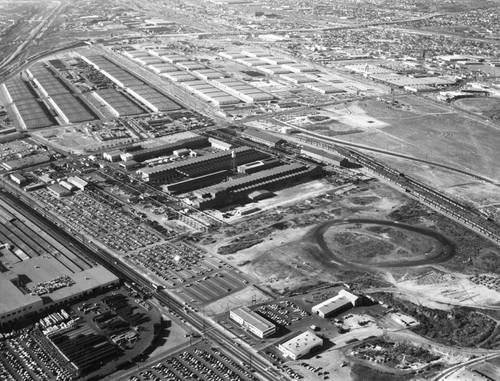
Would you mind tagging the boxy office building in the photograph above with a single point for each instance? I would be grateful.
(252, 322)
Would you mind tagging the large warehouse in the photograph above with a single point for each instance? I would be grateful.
(50, 285)
(242, 90)
(38, 273)
(300, 345)
(143, 92)
(252, 322)
(339, 303)
(28, 161)
(200, 166)
(237, 189)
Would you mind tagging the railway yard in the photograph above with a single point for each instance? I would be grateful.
(186, 196)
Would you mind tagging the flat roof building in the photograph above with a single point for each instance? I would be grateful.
(219, 144)
(25, 162)
(239, 188)
(50, 284)
(58, 190)
(300, 345)
(252, 322)
(18, 178)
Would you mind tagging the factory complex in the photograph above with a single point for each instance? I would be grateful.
(208, 84)
(142, 92)
(237, 189)
(38, 274)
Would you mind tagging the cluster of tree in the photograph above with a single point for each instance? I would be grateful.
(463, 327)
(410, 210)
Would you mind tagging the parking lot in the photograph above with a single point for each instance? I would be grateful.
(283, 313)
(92, 213)
(197, 277)
(25, 356)
(213, 286)
(201, 363)
(174, 263)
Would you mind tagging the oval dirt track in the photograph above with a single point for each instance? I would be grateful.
(445, 254)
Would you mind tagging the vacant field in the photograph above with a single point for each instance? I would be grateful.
(431, 132)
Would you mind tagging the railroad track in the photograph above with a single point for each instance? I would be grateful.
(51, 225)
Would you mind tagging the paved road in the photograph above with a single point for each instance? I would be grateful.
(204, 325)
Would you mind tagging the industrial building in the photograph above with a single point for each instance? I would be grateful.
(300, 345)
(133, 54)
(258, 165)
(339, 303)
(255, 52)
(242, 90)
(239, 188)
(297, 78)
(78, 182)
(179, 76)
(112, 156)
(273, 69)
(299, 68)
(277, 60)
(25, 162)
(174, 58)
(203, 165)
(323, 88)
(219, 144)
(141, 91)
(261, 137)
(117, 103)
(18, 179)
(69, 107)
(58, 190)
(210, 93)
(208, 74)
(190, 185)
(232, 55)
(251, 62)
(321, 156)
(190, 65)
(38, 274)
(252, 322)
(164, 67)
(50, 285)
(31, 112)
(149, 60)
(165, 149)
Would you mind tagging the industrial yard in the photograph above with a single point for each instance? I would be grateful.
(249, 191)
